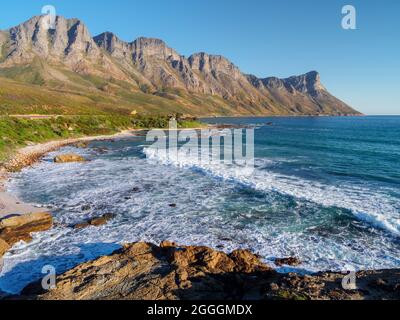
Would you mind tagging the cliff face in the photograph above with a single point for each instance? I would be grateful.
(150, 66)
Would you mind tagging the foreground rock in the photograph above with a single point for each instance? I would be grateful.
(69, 157)
(17, 228)
(143, 271)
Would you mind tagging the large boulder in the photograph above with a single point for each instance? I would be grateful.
(16, 228)
(69, 157)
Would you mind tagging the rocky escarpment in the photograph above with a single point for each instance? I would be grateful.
(171, 272)
(34, 53)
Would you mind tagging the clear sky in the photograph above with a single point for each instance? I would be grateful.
(263, 37)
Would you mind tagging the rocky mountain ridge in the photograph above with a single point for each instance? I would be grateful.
(68, 57)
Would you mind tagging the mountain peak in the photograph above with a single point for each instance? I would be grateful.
(307, 83)
(68, 43)
(313, 76)
(156, 48)
(150, 41)
(108, 41)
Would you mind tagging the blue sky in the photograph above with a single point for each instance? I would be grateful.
(263, 37)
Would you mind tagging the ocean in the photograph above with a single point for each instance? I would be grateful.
(323, 189)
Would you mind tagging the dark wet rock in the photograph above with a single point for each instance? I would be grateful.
(173, 205)
(225, 239)
(3, 295)
(97, 221)
(291, 261)
(101, 150)
(81, 225)
(86, 207)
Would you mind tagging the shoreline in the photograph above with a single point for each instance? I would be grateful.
(27, 156)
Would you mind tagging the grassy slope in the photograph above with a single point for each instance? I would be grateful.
(33, 89)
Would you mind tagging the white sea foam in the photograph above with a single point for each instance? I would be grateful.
(371, 206)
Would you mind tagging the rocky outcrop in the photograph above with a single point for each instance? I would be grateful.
(4, 246)
(69, 157)
(17, 228)
(96, 222)
(291, 261)
(151, 66)
(143, 271)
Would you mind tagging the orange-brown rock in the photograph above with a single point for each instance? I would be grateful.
(143, 271)
(97, 221)
(16, 228)
(4, 246)
(69, 157)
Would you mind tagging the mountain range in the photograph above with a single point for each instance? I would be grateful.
(67, 71)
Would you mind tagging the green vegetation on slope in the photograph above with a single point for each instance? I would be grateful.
(17, 132)
(22, 92)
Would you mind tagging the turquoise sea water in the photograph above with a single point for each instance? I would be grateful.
(326, 190)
